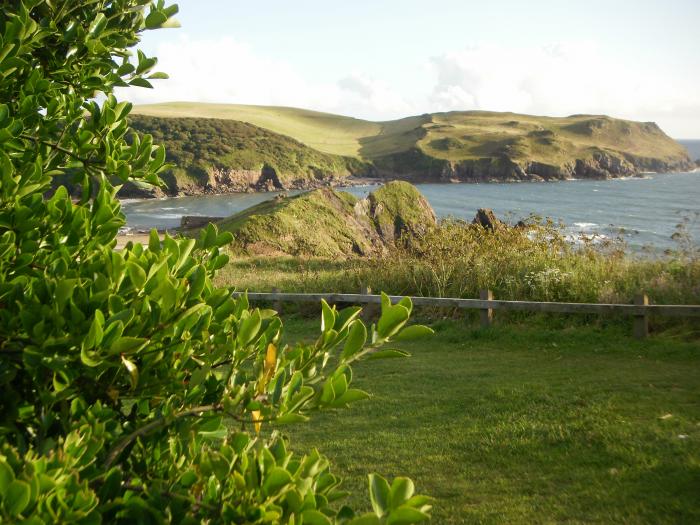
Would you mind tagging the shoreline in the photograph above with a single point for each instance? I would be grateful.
(378, 181)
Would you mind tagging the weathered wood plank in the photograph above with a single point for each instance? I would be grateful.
(641, 322)
(486, 314)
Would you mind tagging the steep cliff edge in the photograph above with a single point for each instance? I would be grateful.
(331, 223)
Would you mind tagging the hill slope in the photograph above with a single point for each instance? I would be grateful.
(466, 146)
(331, 223)
(224, 156)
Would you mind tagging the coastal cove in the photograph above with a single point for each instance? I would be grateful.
(644, 211)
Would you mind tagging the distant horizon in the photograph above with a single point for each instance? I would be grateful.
(345, 115)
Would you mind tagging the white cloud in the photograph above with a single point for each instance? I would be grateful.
(361, 95)
(227, 71)
(562, 79)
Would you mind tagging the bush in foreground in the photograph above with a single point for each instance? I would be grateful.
(123, 372)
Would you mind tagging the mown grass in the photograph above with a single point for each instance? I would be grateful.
(526, 424)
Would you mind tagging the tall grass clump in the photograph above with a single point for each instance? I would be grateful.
(534, 262)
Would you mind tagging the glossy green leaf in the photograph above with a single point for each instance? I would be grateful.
(17, 497)
(379, 494)
(412, 332)
(288, 419)
(365, 519)
(249, 328)
(275, 480)
(136, 274)
(405, 515)
(125, 345)
(357, 336)
(6, 476)
(402, 490)
(392, 319)
(327, 317)
(314, 517)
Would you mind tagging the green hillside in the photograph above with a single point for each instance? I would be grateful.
(332, 134)
(220, 155)
(466, 146)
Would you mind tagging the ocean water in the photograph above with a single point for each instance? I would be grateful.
(643, 211)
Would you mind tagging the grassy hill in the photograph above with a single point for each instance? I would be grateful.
(217, 155)
(465, 146)
(328, 133)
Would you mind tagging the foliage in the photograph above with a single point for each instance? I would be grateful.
(121, 371)
(457, 259)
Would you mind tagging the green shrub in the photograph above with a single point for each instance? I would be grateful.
(124, 372)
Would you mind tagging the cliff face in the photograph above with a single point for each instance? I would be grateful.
(330, 223)
(418, 167)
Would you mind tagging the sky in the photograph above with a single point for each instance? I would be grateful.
(386, 59)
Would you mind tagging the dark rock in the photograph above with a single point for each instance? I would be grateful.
(188, 222)
(487, 219)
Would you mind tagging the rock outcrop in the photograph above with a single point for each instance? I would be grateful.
(331, 223)
(486, 218)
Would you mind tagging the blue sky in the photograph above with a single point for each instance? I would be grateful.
(386, 59)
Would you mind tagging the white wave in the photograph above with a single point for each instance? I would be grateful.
(581, 238)
(585, 225)
(162, 215)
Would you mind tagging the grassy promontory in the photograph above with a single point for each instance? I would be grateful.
(331, 223)
(467, 146)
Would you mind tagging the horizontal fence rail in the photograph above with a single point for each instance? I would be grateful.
(641, 310)
(481, 304)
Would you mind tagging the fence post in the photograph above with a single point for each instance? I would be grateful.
(641, 321)
(277, 304)
(369, 310)
(486, 313)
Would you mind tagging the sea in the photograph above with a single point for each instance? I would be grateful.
(644, 212)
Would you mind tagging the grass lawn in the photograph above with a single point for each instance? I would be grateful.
(526, 424)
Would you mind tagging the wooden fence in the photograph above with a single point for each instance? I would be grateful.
(641, 310)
